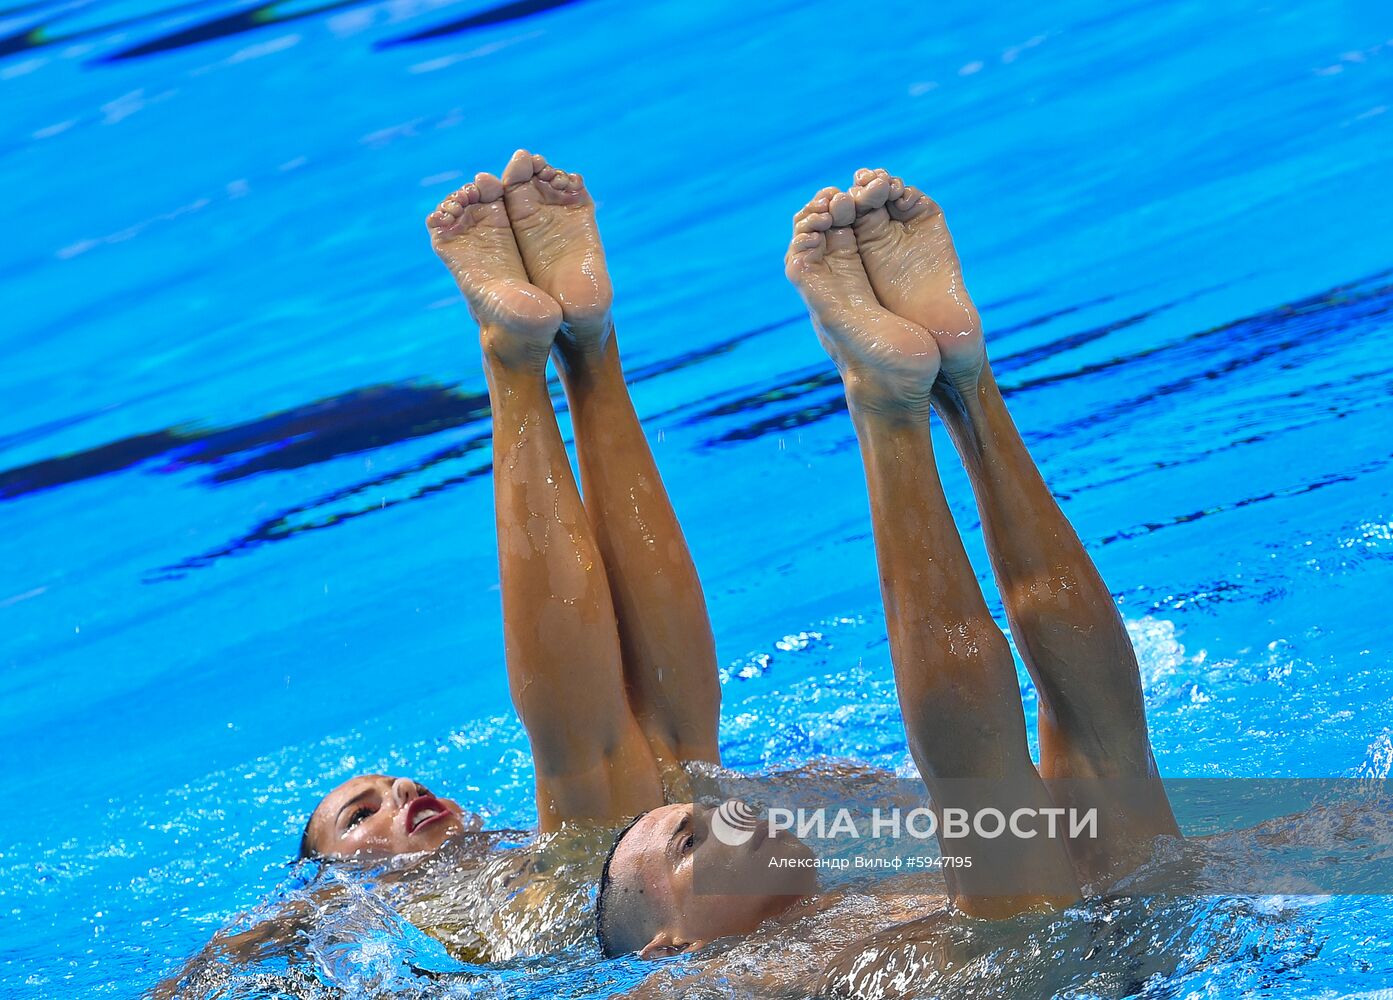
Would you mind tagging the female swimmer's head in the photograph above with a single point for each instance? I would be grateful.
(374, 816)
(649, 900)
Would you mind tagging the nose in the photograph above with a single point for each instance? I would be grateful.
(404, 790)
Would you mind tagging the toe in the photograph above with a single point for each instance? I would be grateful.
(560, 182)
(818, 204)
(467, 195)
(448, 214)
(870, 195)
(490, 187)
(814, 222)
(519, 169)
(843, 209)
(896, 187)
(863, 176)
(907, 205)
(916, 202)
(805, 250)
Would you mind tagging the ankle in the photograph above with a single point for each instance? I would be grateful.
(514, 353)
(879, 398)
(966, 397)
(968, 379)
(588, 356)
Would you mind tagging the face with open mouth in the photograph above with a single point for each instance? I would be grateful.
(378, 816)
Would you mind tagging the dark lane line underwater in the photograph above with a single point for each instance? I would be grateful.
(376, 417)
(41, 32)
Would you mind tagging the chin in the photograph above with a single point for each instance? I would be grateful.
(449, 830)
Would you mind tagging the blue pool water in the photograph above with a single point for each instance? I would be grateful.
(246, 537)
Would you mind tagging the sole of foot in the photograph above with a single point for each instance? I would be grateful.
(886, 361)
(553, 219)
(913, 267)
(471, 232)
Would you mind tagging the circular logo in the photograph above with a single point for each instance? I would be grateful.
(734, 823)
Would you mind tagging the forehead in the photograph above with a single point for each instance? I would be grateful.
(350, 788)
(644, 849)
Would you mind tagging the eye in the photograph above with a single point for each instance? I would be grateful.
(688, 843)
(359, 814)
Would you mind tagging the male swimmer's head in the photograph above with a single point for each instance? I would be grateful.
(648, 901)
(374, 816)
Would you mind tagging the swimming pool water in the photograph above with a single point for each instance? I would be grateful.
(246, 537)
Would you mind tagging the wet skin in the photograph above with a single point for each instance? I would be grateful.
(671, 852)
(376, 816)
(610, 658)
(598, 690)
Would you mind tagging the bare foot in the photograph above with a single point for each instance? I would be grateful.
(553, 218)
(887, 362)
(909, 256)
(471, 234)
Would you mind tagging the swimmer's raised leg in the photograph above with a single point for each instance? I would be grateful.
(953, 669)
(1067, 627)
(669, 652)
(564, 667)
